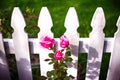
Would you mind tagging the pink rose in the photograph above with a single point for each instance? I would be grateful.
(47, 42)
(58, 55)
(64, 42)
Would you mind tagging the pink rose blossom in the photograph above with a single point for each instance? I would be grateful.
(47, 42)
(58, 55)
(64, 42)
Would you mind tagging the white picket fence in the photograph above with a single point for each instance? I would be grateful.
(95, 45)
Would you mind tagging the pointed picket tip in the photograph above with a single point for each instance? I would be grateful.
(45, 20)
(118, 22)
(17, 19)
(71, 19)
(98, 20)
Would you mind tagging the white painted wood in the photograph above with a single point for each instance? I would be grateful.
(20, 41)
(4, 70)
(95, 45)
(114, 67)
(34, 47)
(45, 24)
(9, 46)
(71, 24)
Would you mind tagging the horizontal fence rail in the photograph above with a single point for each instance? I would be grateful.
(34, 47)
(94, 46)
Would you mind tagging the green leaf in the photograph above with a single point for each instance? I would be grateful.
(51, 55)
(47, 60)
(49, 74)
(53, 71)
(51, 62)
(55, 74)
(50, 78)
(68, 53)
(67, 78)
(63, 66)
(68, 59)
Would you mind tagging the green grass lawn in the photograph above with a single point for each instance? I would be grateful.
(58, 10)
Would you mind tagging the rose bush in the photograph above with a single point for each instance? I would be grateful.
(58, 58)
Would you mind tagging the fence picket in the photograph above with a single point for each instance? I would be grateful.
(96, 45)
(4, 70)
(20, 40)
(45, 24)
(71, 24)
(114, 67)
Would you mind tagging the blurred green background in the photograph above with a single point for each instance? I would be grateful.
(58, 10)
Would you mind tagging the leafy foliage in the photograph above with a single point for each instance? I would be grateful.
(58, 10)
(59, 71)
